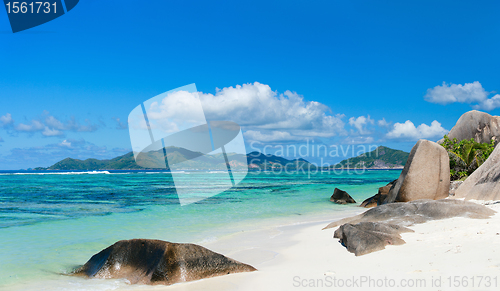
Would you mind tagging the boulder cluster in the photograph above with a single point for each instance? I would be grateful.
(423, 190)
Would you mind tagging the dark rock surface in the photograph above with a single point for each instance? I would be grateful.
(375, 228)
(154, 262)
(341, 197)
(420, 211)
(367, 237)
(378, 198)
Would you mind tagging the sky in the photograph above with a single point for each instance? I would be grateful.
(347, 73)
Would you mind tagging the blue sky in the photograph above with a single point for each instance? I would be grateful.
(64, 84)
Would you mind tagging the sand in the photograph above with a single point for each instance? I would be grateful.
(450, 254)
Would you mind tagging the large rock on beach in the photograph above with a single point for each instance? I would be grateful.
(377, 227)
(143, 261)
(426, 174)
(366, 237)
(378, 198)
(341, 197)
(484, 183)
(478, 125)
(420, 211)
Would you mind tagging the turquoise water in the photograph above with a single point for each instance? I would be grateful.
(51, 223)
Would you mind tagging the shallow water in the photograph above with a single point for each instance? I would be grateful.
(51, 223)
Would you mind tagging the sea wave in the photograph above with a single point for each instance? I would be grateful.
(57, 173)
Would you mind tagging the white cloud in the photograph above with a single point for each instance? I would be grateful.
(34, 125)
(53, 122)
(360, 123)
(383, 123)
(265, 113)
(446, 94)
(470, 93)
(176, 111)
(6, 120)
(256, 107)
(52, 132)
(47, 125)
(65, 143)
(408, 130)
(489, 104)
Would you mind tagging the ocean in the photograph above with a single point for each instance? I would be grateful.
(51, 223)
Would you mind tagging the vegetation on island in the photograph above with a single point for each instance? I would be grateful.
(190, 160)
(381, 157)
(466, 156)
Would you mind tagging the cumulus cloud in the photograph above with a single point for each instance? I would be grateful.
(360, 123)
(265, 114)
(176, 111)
(489, 104)
(408, 130)
(470, 93)
(451, 93)
(256, 105)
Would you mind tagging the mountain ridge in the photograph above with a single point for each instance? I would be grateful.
(380, 158)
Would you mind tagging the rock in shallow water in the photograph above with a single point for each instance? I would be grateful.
(378, 198)
(143, 261)
(341, 197)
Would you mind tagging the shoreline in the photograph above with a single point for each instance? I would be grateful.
(300, 256)
(303, 256)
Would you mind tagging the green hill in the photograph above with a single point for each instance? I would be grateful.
(380, 158)
(190, 159)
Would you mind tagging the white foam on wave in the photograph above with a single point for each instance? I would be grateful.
(60, 173)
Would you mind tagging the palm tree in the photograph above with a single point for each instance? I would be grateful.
(469, 155)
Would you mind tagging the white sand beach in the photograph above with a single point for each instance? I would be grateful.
(450, 254)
